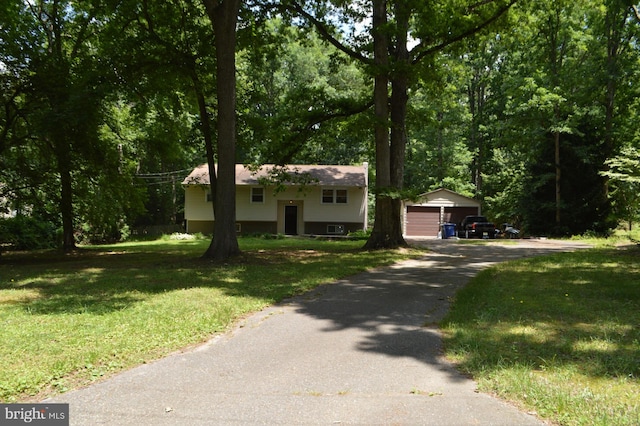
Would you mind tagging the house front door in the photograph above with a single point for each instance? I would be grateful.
(291, 220)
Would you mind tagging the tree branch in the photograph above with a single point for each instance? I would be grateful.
(446, 43)
(347, 112)
(299, 134)
(80, 38)
(324, 32)
(636, 12)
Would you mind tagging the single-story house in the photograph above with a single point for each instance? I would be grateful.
(327, 200)
(425, 216)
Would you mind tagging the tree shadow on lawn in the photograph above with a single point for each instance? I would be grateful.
(396, 308)
(584, 316)
(97, 282)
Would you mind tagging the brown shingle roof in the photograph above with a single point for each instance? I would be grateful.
(330, 175)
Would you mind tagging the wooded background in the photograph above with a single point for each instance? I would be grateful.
(531, 107)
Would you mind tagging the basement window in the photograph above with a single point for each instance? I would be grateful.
(335, 229)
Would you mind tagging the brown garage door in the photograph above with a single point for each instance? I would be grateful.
(423, 221)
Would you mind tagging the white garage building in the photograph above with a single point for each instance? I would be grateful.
(424, 217)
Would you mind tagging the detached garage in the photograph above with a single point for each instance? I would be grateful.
(423, 218)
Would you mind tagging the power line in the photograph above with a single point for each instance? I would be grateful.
(161, 174)
(166, 182)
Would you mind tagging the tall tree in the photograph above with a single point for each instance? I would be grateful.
(185, 60)
(624, 172)
(618, 35)
(53, 45)
(224, 18)
(162, 53)
(561, 92)
(297, 97)
(481, 61)
(434, 28)
(383, 233)
(440, 151)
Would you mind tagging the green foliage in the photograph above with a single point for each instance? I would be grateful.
(438, 154)
(265, 236)
(115, 106)
(28, 233)
(163, 53)
(506, 183)
(625, 167)
(624, 173)
(549, 82)
(298, 99)
(360, 234)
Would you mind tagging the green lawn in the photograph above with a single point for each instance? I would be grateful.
(70, 319)
(559, 335)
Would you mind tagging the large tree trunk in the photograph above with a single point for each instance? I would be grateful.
(224, 17)
(390, 154)
(399, 101)
(387, 229)
(382, 233)
(58, 99)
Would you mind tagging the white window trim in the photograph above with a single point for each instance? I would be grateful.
(334, 192)
(251, 195)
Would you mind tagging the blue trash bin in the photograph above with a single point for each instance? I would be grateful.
(448, 230)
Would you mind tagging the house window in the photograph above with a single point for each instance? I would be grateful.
(335, 229)
(334, 196)
(257, 195)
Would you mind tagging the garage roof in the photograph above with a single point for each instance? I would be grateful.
(444, 197)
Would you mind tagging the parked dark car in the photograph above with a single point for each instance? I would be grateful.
(476, 227)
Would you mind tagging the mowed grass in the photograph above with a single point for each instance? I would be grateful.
(559, 335)
(70, 319)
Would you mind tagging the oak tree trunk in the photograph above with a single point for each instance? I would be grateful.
(381, 235)
(224, 16)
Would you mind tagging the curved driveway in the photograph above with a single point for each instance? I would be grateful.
(360, 351)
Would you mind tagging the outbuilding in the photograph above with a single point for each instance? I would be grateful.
(425, 216)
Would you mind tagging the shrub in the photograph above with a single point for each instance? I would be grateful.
(265, 236)
(105, 233)
(28, 233)
(360, 234)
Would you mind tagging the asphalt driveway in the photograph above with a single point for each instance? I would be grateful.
(362, 351)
